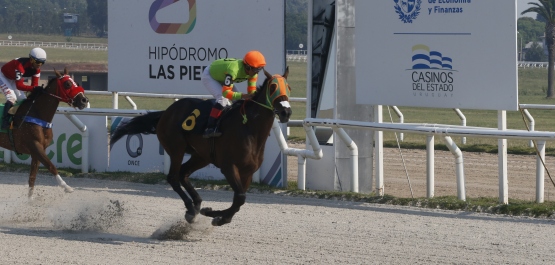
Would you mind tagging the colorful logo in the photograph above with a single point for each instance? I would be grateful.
(172, 28)
(432, 73)
(424, 58)
(407, 9)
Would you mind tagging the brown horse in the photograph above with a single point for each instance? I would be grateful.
(238, 153)
(31, 129)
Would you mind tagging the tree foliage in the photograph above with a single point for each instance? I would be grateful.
(296, 24)
(535, 53)
(46, 16)
(546, 9)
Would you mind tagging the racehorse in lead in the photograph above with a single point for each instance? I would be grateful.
(238, 153)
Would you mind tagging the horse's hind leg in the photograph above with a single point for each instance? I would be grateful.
(33, 177)
(173, 179)
(193, 164)
(42, 158)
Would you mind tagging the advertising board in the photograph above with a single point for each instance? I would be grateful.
(66, 149)
(437, 53)
(162, 46)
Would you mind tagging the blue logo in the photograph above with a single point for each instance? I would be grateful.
(407, 9)
(432, 73)
(424, 58)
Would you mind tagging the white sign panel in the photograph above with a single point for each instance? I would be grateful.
(66, 149)
(437, 53)
(162, 46)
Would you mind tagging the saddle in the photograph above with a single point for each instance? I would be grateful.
(197, 120)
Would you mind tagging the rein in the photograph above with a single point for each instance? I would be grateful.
(281, 90)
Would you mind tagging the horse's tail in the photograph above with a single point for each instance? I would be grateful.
(145, 124)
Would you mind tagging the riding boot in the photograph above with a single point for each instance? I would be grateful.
(6, 116)
(212, 128)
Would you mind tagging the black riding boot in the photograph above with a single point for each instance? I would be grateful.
(6, 116)
(211, 128)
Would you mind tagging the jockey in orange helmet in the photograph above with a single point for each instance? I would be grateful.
(219, 78)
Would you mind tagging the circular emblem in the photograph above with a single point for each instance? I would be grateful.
(407, 9)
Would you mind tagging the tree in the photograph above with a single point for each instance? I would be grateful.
(535, 53)
(546, 9)
(98, 13)
(296, 24)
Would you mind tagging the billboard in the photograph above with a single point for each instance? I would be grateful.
(162, 46)
(66, 149)
(437, 53)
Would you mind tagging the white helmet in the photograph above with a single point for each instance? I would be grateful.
(38, 54)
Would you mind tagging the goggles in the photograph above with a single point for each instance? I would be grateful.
(250, 68)
(39, 61)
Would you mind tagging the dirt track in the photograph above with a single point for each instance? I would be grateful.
(107, 222)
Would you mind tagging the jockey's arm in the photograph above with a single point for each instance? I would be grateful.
(227, 89)
(251, 84)
(20, 85)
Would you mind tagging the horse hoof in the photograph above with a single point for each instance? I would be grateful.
(190, 218)
(68, 189)
(205, 210)
(30, 194)
(216, 221)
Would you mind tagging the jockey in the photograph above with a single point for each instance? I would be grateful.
(219, 78)
(11, 79)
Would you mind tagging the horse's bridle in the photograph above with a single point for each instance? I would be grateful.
(64, 90)
(282, 89)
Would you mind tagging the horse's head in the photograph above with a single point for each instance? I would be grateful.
(274, 92)
(66, 90)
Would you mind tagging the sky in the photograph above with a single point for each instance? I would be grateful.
(522, 5)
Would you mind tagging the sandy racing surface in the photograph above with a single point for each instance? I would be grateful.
(108, 222)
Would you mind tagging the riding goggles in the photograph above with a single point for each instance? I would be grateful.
(39, 61)
(256, 70)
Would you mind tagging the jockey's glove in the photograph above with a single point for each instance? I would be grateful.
(38, 89)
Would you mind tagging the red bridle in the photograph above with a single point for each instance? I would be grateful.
(67, 89)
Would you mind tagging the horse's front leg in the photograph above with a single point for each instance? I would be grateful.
(239, 180)
(224, 217)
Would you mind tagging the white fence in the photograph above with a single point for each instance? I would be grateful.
(315, 151)
(62, 45)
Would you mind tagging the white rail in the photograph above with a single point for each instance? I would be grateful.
(62, 45)
(446, 131)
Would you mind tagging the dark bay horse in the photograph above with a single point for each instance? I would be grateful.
(238, 153)
(31, 129)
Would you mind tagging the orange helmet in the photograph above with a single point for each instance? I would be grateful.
(254, 59)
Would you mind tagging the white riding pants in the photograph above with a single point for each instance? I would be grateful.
(9, 89)
(214, 87)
